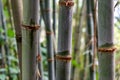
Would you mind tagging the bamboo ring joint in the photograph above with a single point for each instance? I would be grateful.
(63, 58)
(50, 60)
(105, 50)
(31, 27)
(46, 10)
(66, 3)
(48, 32)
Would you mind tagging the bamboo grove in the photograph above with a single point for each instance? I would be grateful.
(59, 40)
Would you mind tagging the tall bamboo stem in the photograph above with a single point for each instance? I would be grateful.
(105, 40)
(17, 17)
(46, 14)
(30, 39)
(63, 57)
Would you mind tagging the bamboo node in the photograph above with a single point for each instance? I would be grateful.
(63, 58)
(50, 60)
(38, 57)
(90, 15)
(31, 27)
(66, 3)
(105, 50)
(49, 32)
(46, 10)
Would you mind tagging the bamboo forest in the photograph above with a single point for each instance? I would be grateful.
(59, 39)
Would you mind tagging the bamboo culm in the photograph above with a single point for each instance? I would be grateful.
(105, 40)
(17, 17)
(90, 31)
(63, 59)
(30, 38)
(45, 11)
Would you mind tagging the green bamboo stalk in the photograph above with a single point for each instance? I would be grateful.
(95, 37)
(10, 13)
(63, 57)
(90, 30)
(54, 28)
(54, 16)
(30, 39)
(45, 11)
(17, 17)
(105, 40)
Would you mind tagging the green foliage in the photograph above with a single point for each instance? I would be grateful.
(2, 76)
(10, 33)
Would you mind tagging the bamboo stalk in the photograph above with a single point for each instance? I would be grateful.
(45, 11)
(54, 17)
(40, 64)
(105, 40)
(30, 39)
(95, 37)
(90, 29)
(63, 57)
(10, 13)
(17, 17)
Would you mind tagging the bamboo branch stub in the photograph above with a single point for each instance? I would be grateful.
(31, 27)
(63, 58)
(38, 57)
(106, 50)
(66, 3)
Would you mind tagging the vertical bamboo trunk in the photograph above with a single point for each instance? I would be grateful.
(54, 29)
(17, 17)
(40, 65)
(105, 40)
(95, 43)
(10, 13)
(90, 33)
(54, 16)
(63, 57)
(30, 40)
(49, 37)
(45, 9)
(77, 34)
